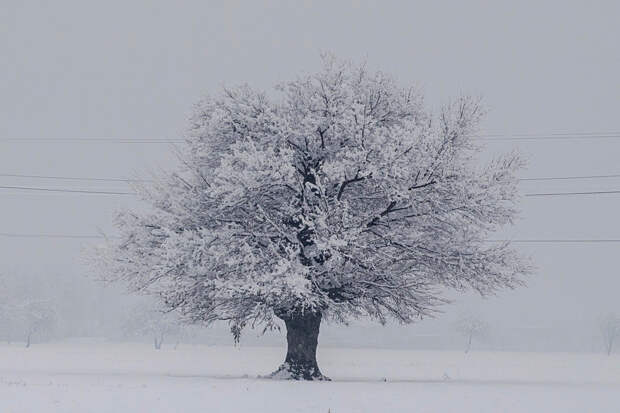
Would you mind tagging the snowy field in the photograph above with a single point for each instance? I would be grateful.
(104, 377)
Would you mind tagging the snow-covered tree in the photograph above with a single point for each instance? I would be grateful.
(8, 322)
(36, 317)
(340, 197)
(471, 327)
(610, 331)
(26, 309)
(146, 319)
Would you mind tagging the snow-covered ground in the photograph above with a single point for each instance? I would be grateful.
(107, 377)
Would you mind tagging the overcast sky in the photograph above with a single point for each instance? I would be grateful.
(132, 69)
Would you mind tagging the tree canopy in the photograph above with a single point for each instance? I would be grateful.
(340, 194)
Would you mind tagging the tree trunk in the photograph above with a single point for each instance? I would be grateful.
(28, 340)
(302, 333)
(158, 341)
(468, 344)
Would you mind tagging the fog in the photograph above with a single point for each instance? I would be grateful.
(78, 71)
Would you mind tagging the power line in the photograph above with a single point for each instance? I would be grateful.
(558, 241)
(542, 241)
(547, 136)
(129, 180)
(92, 140)
(79, 191)
(573, 193)
(557, 178)
(554, 134)
(489, 137)
(74, 178)
(68, 236)
(83, 191)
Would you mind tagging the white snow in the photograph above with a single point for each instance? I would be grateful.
(108, 377)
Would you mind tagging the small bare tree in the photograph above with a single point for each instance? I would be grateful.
(37, 317)
(146, 319)
(610, 330)
(27, 309)
(471, 327)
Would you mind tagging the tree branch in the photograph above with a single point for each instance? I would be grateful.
(346, 182)
(423, 185)
(375, 220)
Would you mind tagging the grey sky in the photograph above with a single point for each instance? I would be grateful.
(134, 68)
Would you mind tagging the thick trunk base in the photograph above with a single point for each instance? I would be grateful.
(302, 333)
(288, 371)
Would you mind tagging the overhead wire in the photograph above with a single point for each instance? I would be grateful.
(518, 240)
(129, 180)
(488, 137)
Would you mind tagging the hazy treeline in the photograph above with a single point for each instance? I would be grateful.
(47, 307)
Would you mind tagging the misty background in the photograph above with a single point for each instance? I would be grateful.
(80, 79)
